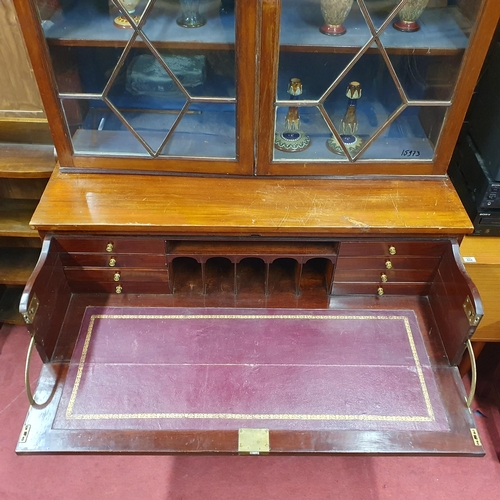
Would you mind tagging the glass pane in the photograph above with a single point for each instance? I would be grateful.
(85, 21)
(205, 131)
(377, 76)
(141, 68)
(381, 12)
(362, 102)
(95, 129)
(411, 136)
(304, 65)
(426, 78)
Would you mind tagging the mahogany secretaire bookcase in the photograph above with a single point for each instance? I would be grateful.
(250, 244)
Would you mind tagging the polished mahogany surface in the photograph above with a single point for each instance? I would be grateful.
(250, 206)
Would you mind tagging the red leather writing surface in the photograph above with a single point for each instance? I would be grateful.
(164, 368)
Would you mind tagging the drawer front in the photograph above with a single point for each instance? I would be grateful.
(385, 276)
(390, 262)
(381, 288)
(112, 244)
(115, 275)
(119, 288)
(113, 260)
(391, 248)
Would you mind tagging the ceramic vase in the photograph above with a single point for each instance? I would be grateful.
(409, 14)
(334, 13)
(129, 6)
(190, 14)
(292, 139)
(349, 125)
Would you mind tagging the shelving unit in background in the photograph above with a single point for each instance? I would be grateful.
(24, 172)
(26, 162)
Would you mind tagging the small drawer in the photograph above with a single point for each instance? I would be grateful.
(389, 262)
(119, 288)
(115, 275)
(385, 276)
(392, 248)
(113, 260)
(112, 244)
(380, 289)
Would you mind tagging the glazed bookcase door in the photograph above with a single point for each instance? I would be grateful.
(155, 80)
(368, 86)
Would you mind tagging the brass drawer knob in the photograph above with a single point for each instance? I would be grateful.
(380, 291)
(384, 278)
(388, 264)
(112, 262)
(118, 289)
(392, 250)
(109, 247)
(116, 276)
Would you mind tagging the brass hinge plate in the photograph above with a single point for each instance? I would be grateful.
(24, 433)
(470, 312)
(253, 441)
(475, 437)
(29, 316)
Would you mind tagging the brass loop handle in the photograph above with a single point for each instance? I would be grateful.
(380, 291)
(388, 264)
(112, 262)
(473, 370)
(384, 278)
(109, 247)
(392, 250)
(31, 399)
(119, 289)
(116, 276)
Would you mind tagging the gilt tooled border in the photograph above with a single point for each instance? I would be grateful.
(430, 417)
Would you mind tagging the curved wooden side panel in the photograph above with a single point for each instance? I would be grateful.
(456, 303)
(45, 299)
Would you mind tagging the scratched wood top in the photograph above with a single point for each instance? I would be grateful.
(89, 202)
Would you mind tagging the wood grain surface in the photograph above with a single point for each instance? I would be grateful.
(26, 160)
(272, 207)
(16, 265)
(485, 272)
(14, 217)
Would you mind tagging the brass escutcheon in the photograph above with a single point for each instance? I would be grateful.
(116, 276)
(109, 247)
(253, 441)
(112, 262)
(380, 291)
(392, 250)
(118, 289)
(29, 316)
(384, 277)
(388, 264)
